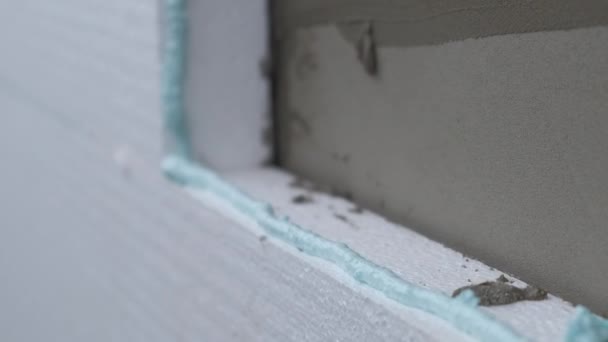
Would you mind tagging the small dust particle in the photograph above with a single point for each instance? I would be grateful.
(341, 217)
(498, 292)
(302, 199)
(463, 266)
(469, 280)
(262, 238)
(476, 270)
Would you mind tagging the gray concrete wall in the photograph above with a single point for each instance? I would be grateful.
(418, 22)
(495, 146)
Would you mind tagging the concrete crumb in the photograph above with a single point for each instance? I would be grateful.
(366, 50)
(499, 292)
(302, 199)
(503, 279)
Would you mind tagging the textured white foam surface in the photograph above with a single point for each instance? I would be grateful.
(413, 257)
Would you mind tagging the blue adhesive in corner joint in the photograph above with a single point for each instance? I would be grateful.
(587, 327)
(174, 60)
(461, 312)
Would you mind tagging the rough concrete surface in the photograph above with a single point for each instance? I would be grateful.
(495, 146)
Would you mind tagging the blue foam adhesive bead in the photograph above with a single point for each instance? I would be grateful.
(587, 327)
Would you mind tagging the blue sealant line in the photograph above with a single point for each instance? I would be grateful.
(587, 327)
(461, 312)
(174, 59)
